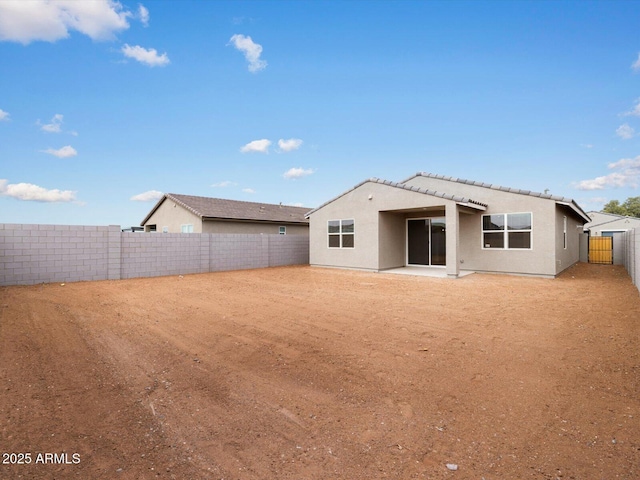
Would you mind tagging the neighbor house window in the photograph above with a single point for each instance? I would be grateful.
(186, 228)
(507, 231)
(341, 233)
(564, 233)
(282, 230)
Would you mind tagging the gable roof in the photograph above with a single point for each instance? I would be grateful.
(220, 208)
(606, 218)
(567, 202)
(467, 202)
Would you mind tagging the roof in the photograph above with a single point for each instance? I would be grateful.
(219, 208)
(608, 218)
(568, 202)
(455, 198)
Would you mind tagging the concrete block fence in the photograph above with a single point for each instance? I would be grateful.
(31, 254)
(630, 249)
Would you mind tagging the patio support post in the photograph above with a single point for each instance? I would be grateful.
(452, 217)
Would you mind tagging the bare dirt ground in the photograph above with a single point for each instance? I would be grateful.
(308, 373)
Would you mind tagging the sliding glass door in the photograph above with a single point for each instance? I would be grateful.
(426, 241)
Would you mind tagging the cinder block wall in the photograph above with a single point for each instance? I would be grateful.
(288, 250)
(31, 254)
(152, 255)
(631, 254)
(239, 251)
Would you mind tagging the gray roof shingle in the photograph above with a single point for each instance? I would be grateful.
(210, 208)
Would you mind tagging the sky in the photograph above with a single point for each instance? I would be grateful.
(105, 105)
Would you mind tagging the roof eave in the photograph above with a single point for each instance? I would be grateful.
(153, 210)
(254, 220)
(574, 206)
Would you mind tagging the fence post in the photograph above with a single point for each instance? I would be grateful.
(114, 252)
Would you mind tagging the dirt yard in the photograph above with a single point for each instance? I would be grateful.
(309, 373)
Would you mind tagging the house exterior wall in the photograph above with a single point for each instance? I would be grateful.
(539, 260)
(565, 257)
(221, 226)
(171, 215)
(379, 234)
(392, 240)
(380, 212)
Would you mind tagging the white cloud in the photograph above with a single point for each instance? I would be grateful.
(149, 56)
(294, 173)
(627, 174)
(625, 132)
(248, 190)
(586, 145)
(55, 126)
(636, 65)
(289, 145)
(226, 183)
(64, 152)
(4, 116)
(251, 50)
(34, 193)
(635, 112)
(257, 146)
(27, 21)
(143, 15)
(147, 196)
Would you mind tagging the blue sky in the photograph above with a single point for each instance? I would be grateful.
(104, 105)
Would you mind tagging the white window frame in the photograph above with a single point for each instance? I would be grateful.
(506, 232)
(187, 228)
(341, 233)
(282, 230)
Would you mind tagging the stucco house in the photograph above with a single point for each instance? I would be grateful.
(606, 224)
(175, 213)
(442, 222)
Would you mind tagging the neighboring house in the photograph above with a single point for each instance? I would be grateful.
(606, 224)
(176, 213)
(437, 221)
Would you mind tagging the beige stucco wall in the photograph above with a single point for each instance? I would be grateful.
(173, 216)
(539, 260)
(219, 226)
(379, 234)
(380, 229)
(565, 257)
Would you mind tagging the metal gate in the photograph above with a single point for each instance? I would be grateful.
(601, 250)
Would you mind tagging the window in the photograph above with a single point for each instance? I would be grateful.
(507, 231)
(282, 230)
(186, 228)
(341, 233)
(564, 233)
